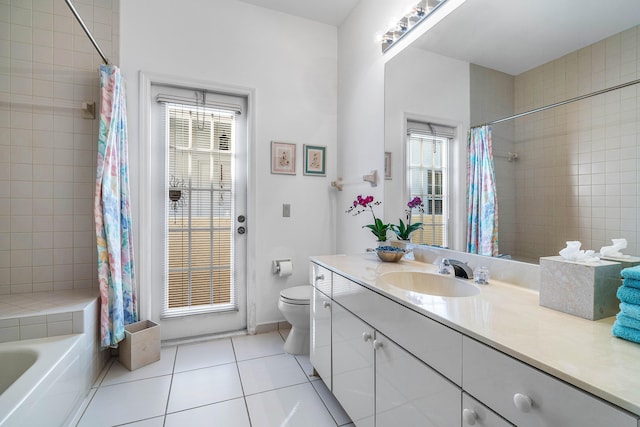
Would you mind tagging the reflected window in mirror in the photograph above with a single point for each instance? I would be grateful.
(428, 166)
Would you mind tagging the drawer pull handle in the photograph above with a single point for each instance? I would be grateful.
(320, 277)
(377, 344)
(366, 336)
(469, 416)
(326, 304)
(522, 402)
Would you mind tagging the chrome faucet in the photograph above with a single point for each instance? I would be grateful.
(460, 269)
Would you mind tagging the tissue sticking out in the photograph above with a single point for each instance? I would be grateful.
(613, 251)
(573, 253)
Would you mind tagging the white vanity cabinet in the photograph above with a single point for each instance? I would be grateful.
(528, 397)
(376, 380)
(392, 365)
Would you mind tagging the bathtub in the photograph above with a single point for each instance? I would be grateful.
(50, 355)
(41, 381)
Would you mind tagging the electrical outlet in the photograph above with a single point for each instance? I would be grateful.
(286, 210)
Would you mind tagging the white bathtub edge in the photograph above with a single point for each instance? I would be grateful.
(36, 395)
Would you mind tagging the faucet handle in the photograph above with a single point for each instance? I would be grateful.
(445, 266)
(482, 275)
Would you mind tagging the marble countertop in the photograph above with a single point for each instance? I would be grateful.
(508, 318)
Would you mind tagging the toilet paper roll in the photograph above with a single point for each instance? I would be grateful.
(286, 268)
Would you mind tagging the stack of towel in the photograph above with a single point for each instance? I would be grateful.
(627, 324)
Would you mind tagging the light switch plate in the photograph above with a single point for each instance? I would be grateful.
(286, 210)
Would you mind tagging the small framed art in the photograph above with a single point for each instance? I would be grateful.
(283, 158)
(387, 165)
(314, 160)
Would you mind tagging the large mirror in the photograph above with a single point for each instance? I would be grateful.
(565, 173)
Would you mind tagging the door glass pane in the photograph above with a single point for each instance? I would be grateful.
(200, 223)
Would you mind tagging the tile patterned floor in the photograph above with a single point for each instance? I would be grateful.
(244, 381)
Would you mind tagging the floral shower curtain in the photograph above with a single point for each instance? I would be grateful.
(482, 211)
(112, 212)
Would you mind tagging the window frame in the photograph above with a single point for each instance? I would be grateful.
(431, 132)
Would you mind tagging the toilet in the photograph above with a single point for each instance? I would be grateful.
(294, 306)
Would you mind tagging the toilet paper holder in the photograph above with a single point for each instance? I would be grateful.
(275, 265)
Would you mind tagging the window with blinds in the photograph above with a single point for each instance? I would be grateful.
(199, 200)
(428, 147)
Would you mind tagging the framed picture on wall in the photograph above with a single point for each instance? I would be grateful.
(314, 160)
(387, 165)
(283, 158)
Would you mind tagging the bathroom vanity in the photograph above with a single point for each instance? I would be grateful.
(393, 356)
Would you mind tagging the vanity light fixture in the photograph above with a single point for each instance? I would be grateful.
(417, 14)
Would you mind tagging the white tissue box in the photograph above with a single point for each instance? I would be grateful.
(580, 289)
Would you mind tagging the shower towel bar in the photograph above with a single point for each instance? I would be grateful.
(88, 108)
(87, 32)
(557, 104)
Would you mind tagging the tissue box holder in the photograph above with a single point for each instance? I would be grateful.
(141, 345)
(580, 289)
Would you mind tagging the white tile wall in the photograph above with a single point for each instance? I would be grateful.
(578, 181)
(66, 313)
(47, 152)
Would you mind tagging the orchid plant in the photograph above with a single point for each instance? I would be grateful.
(378, 228)
(403, 231)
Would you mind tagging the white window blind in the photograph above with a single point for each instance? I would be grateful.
(428, 148)
(199, 201)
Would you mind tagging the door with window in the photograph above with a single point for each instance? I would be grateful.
(427, 166)
(200, 231)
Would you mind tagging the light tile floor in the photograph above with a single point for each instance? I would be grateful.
(233, 382)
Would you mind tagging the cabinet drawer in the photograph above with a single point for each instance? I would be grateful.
(433, 343)
(475, 413)
(501, 382)
(320, 278)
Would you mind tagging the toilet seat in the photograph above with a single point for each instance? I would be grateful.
(297, 295)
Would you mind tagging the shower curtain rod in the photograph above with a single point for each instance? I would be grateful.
(557, 104)
(87, 32)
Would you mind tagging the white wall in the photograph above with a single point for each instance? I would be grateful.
(291, 63)
(426, 86)
(361, 112)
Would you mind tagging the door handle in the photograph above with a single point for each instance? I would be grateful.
(242, 230)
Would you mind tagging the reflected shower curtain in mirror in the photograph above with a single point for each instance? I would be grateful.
(482, 200)
(112, 212)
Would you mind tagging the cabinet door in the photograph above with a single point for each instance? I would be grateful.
(475, 413)
(353, 365)
(410, 393)
(320, 354)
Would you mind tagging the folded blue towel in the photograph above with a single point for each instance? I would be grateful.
(623, 332)
(628, 295)
(632, 283)
(631, 273)
(627, 321)
(630, 310)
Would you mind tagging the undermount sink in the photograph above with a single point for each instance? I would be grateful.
(430, 284)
